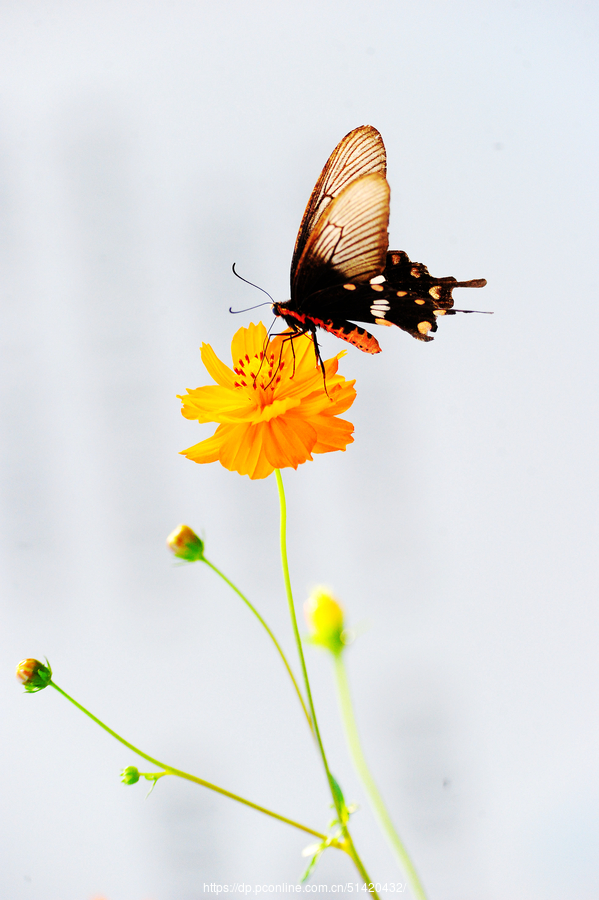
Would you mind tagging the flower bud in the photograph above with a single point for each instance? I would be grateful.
(324, 616)
(33, 675)
(130, 775)
(185, 544)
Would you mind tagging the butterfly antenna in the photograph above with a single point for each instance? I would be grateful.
(251, 283)
(248, 308)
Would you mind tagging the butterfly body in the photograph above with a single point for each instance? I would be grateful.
(342, 271)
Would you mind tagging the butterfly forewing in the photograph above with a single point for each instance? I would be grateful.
(349, 241)
(361, 152)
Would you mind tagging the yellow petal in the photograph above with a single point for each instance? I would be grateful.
(221, 373)
(243, 452)
(289, 442)
(297, 350)
(309, 378)
(206, 451)
(333, 434)
(248, 343)
(340, 397)
(211, 403)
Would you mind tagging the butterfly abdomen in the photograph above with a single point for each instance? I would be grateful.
(347, 331)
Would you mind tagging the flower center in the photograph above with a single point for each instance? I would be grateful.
(262, 372)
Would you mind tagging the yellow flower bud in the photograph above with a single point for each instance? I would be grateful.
(324, 616)
(185, 544)
(33, 675)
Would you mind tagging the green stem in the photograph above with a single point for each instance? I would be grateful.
(171, 771)
(268, 631)
(361, 766)
(285, 564)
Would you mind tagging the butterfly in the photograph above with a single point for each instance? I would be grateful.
(342, 271)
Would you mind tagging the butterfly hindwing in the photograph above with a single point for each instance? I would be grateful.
(361, 152)
(405, 294)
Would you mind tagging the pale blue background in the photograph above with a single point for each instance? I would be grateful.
(144, 147)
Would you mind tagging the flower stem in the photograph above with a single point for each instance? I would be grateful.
(350, 849)
(270, 634)
(361, 767)
(169, 770)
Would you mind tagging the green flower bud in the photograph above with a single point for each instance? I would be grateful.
(130, 775)
(324, 616)
(33, 675)
(185, 544)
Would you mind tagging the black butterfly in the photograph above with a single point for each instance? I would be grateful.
(341, 268)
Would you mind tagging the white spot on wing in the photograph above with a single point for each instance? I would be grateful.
(379, 307)
(378, 279)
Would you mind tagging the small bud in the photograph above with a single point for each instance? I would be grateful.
(130, 775)
(324, 616)
(185, 544)
(33, 675)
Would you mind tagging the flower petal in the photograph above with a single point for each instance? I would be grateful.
(209, 404)
(206, 451)
(243, 452)
(309, 377)
(221, 373)
(289, 441)
(333, 434)
(340, 398)
(248, 343)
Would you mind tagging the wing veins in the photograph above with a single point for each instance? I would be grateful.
(359, 153)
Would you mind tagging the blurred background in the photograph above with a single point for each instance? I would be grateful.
(144, 148)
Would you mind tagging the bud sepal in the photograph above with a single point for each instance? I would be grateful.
(185, 544)
(130, 775)
(34, 675)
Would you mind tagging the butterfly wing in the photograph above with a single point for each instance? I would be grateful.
(361, 152)
(405, 294)
(349, 241)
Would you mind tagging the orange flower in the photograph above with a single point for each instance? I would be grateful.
(273, 409)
